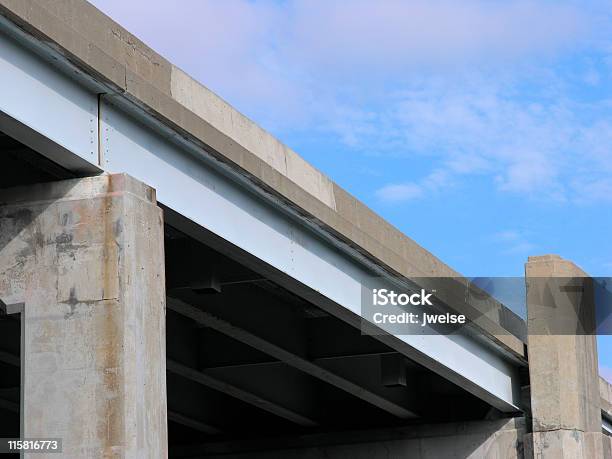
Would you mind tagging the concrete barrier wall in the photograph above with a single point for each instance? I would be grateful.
(495, 439)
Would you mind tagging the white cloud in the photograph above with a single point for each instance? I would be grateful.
(480, 129)
(470, 84)
(399, 192)
(395, 34)
(538, 143)
(437, 180)
(507, 236)
(519, 248)
(513, 242)
(289, 57)
(588, 189)
(592, 77)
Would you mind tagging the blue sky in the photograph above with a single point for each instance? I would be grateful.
(481, 129)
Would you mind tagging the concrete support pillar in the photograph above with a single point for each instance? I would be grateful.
(563, 371)
(86, 257)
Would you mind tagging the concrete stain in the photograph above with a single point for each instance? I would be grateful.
(73, 302)
(111, 432)
(118, 228)
(64, 238)
(66, 219)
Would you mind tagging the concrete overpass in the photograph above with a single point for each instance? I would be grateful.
(176, 279)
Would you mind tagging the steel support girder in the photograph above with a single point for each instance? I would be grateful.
(290, 358)
(248, 395)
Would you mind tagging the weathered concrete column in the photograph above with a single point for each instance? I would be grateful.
(563, 371)
(86, 257)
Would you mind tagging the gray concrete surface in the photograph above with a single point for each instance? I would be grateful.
(86, 258)
(605, 392)
(563, 368)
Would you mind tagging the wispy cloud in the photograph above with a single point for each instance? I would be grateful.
(535, 141)
(474, 86)
(399, 192)
(513, 242)
(395, 34)
(507, 236)
(292, 56)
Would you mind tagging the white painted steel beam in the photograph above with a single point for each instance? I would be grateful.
(38, 95)
(221, 206)
(62, 116)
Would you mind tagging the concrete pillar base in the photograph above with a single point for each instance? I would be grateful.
(86, 257)
(562, 444)
(607, 446)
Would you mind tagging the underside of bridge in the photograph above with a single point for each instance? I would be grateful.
(174, 281)
(250, 364)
